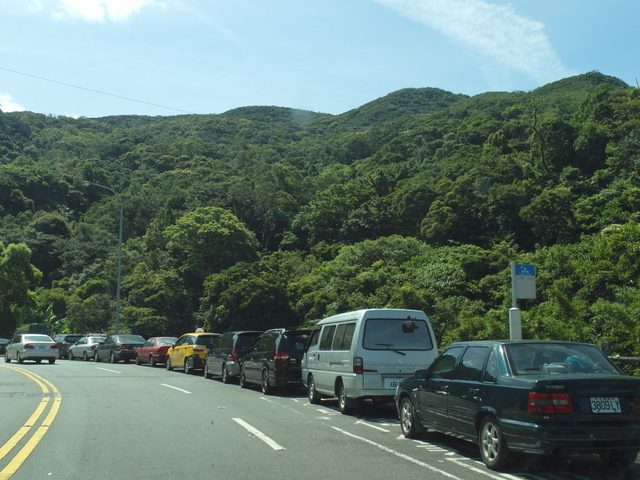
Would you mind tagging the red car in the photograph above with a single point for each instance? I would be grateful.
(154, 350)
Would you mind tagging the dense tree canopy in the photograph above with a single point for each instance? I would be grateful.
(267, 216)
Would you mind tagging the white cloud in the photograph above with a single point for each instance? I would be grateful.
(496, 31)
(8, 104)
(93, 10)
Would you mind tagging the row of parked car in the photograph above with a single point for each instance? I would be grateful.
(526, 396)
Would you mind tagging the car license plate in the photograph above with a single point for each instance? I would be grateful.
(605, 405)
(392, 382)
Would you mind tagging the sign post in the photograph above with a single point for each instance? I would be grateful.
(523, 285)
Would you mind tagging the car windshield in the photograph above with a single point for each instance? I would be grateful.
(555, 358)
(166, 341)
(392, 334)
(131, 339)
(293, 343)
(206, 340)
(37, 338)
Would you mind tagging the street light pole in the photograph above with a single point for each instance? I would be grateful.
(119, 276)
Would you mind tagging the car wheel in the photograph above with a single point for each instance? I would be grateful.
(112, 357)
(188, 369)
(51, 361)
(6, 358)
(38, 360)
(138, 362)
(266, 388)
(167, 364)
(493, 448)
(85, 357)
(96, 358)
(71, 357)
(205, 370)
(407, 418)
(225, 374)
(242, 380)
(18, 359)
(312, 393)
(619, 458)
(152, 362)
(345, 404)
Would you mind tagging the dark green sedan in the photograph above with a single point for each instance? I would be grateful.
(541, 397)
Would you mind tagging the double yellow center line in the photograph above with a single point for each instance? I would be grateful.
(51, 398)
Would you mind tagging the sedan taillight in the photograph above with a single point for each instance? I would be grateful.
(28, 346)
(549, 403)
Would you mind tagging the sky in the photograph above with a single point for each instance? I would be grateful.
(94, 58)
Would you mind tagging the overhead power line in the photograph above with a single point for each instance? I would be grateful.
(95, 91)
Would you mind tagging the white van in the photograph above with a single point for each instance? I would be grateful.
(365, 354)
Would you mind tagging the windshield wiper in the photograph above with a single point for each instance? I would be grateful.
(389, 345)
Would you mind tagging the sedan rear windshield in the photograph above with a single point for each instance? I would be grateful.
(552, 358)
(393, 334)
(37, 338)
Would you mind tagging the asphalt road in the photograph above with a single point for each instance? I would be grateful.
(80, 420)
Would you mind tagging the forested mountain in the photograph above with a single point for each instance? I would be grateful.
(269, 216)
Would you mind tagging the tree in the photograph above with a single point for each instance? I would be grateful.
(18, 280)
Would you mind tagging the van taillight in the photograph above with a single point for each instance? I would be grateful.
(358, 365)
(281, 356)
(541, 403)
(234, 355)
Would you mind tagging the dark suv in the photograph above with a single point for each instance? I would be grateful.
(222, 357)
(274, 360)
(64, 341)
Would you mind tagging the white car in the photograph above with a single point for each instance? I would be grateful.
(85, 348)
(31, 346)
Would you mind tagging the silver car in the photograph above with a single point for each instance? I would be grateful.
(85, 348)
(31, 346)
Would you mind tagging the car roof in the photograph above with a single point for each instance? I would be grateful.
(516, 342)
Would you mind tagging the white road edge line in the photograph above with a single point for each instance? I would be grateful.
(108, 370)
(176, 388)
(360, 422)
(397, 454)
(258, 434)
(498, 476)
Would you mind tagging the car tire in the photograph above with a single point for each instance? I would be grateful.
(51, 361)
(312, 393)
(205, 370)
(138, 362)
(85, 357)
(267, 389)
(18, 359)
(242, 380)
(224, 375)
(346, 405)
(6, 358)
(167, 363)
(407, 418)
(71, 357)
(493, 448)
(152, 362)
(188, 369)
(112, 357)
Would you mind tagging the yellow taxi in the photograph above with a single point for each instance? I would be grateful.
(190, 350)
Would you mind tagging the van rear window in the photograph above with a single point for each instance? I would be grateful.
(389, 334)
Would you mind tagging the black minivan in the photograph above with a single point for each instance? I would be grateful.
(222, 357)
(274, 360)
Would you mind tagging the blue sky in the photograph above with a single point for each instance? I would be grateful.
(94, 58)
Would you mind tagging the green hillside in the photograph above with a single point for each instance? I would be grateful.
(268, 216)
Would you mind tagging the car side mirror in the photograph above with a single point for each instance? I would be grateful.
(421, 374)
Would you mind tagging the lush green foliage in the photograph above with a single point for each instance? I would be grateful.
(266, 216)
